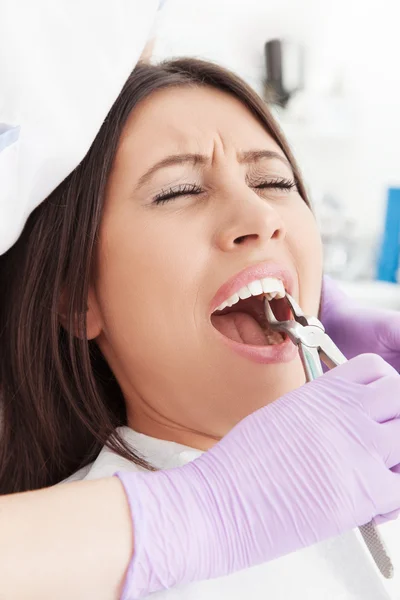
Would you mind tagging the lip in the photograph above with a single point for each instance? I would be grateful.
(265, 355)
(277, 353)
(249, 274)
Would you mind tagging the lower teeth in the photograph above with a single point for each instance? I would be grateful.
(273, 337)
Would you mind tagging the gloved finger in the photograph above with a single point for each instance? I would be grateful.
(382, 403)
(381, 519)
(390, 443)
(363, 369)
(392, 495)
(389, 332)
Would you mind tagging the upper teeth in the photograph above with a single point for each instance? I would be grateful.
(271, 287)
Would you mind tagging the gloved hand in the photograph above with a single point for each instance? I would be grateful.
(356, 329)
(310, 466)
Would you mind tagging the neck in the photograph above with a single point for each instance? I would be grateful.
(162, 428)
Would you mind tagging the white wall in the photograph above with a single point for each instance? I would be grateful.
(339, 36)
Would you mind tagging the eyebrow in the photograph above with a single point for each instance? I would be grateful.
(251, 156)
(173, 159)
(248, 157)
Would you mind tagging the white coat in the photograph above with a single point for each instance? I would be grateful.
(338, 569)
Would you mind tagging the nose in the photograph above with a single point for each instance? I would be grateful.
(249, 220)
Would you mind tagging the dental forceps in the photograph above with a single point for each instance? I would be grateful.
(314, 345)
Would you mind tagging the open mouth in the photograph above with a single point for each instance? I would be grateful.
(245, 322)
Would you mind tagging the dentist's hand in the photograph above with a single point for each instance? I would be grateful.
(310, 466)
(356, 329)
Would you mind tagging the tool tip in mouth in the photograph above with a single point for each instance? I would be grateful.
(279, 311)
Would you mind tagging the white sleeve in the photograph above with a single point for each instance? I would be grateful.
(62, 65)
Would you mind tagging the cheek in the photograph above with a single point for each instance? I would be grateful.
(305, 245)
(141, 266)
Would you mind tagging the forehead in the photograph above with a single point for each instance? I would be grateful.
(190, 119)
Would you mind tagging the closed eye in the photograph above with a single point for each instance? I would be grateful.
(183, 189)
(192, 189)
(279, 183)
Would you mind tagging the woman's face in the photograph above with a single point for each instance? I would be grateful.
(200, 203)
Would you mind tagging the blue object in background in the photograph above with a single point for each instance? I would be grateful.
(389, 257)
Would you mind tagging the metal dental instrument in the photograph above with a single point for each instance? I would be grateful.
(308, 334)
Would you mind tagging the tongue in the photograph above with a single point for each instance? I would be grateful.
(240, 327)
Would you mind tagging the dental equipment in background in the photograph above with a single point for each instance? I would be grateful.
(308, 334)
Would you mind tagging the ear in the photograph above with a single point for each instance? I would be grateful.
(94, 323)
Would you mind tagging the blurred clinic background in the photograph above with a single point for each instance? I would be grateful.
(331, 71)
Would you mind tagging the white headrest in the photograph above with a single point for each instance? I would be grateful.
(62, 66)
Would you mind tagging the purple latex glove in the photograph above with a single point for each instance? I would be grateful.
(356, 329)
(307, 467)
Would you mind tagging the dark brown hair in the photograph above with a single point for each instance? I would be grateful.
(59, 400)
